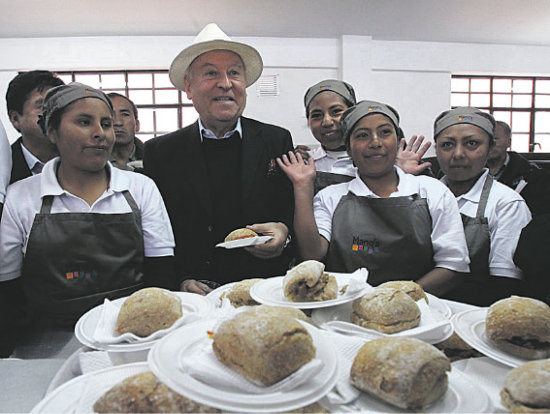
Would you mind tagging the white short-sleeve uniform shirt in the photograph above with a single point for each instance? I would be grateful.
(336, 162)
(507, 214)
(448, 240)
(24, 200)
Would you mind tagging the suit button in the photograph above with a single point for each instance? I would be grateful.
(210, 228)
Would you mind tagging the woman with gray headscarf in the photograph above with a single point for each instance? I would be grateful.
(325, 102)
(398, 226)
(493, 214)
(82, 231)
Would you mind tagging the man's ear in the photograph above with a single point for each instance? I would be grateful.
(187, 87)
(14, 119)
(137, 125)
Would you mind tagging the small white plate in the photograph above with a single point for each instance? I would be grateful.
(434, 327)
(249, 241)
(163, 355)
(470, 326)
(86, 325)
(462, 396)
(67, 397)
(270, 292)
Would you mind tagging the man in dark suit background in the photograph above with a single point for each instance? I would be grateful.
(219, 173)
(24, 102)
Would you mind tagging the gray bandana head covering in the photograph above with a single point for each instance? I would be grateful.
(344, 89)
(464, 115)
(363, 108)
(61, 96)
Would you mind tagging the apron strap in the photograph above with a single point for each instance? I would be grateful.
(131, 202)
(484, 197)
(47, 202)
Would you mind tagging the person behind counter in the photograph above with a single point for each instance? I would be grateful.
(82, 231)
(325, 102)
(397, 225)
(492, 213)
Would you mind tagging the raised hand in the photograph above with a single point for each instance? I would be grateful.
(409, 159)
(297, 170)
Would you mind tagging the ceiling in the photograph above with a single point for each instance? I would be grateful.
(478, 21)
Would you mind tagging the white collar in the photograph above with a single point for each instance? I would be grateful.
(30, 158)
(474, 194)
(207, 133)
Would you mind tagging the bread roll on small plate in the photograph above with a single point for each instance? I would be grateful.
(308, 282)
(243, 237)
(527, 388)
(405, 372)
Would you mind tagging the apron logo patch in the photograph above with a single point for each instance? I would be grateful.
(369, 246)
(81, 274)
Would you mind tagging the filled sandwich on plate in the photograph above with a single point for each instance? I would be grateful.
(520, 326)
(308, 282)
(527, 388)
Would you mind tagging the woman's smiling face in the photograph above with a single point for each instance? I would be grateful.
(373, 145)
(325, 111)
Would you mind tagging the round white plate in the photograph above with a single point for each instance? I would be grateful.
(270, 292)
(486, 373)
(470, 326)
(249, 241)
(433, 329)
(86, 325)
(462, 396)
(67, 397)
(164, 355)
(219, 293)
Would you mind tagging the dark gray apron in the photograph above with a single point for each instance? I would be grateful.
(324, 179)
(475, 288)
(76, 260)
(391, 237)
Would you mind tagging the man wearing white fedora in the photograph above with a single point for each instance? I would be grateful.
(219, 173)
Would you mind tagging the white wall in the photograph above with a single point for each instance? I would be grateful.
(414, 77)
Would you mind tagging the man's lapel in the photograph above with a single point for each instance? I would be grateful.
(194, 169)
(253, 156)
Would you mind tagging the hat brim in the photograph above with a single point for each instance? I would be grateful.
(251, 58)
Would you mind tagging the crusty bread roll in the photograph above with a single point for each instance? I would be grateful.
(243, 233)
(264, 346)
(413, 289)
(307, 282)
(405, 372)
(277, 311)
(387, 310)
(527, 388)
(144, 393)
(520, 326)
(148, 310)
(455, 348)
(239, 295)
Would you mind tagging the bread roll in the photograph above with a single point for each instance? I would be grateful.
(243, 233)
(239, 295)
(144, 393)
(405, 372)
(455, 348)
(386, 310)
(520, 326)
(263, 345)
(413, 289)
(277, 311)
(527, 388)
(148, 310)
(307, 282)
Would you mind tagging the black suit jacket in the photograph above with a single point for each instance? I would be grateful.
(19, 169)
(175, 162)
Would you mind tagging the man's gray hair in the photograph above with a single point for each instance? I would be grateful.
(505, 127)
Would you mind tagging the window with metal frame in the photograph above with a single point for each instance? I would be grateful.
(161, 107)
(523, 102)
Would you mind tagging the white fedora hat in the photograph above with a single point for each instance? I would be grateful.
(213, 38)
